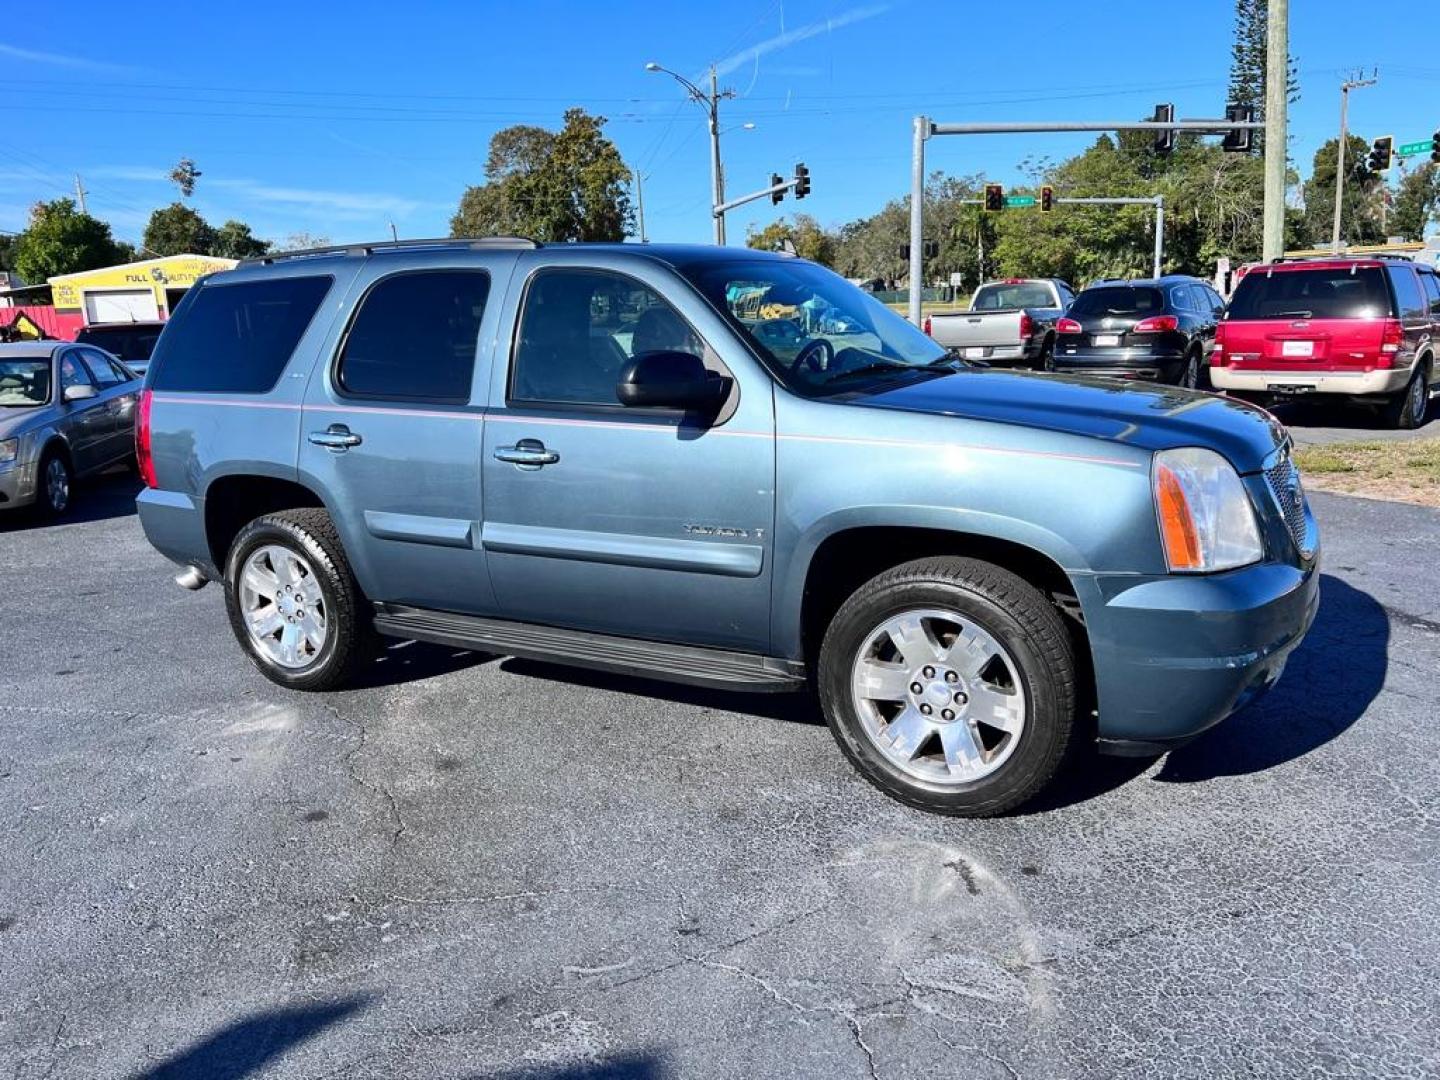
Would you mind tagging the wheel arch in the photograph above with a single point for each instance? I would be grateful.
(235, 499)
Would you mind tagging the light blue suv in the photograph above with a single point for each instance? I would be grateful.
(610, 456)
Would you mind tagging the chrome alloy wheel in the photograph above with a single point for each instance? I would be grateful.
(938, 696)
(57, 484)
(283, 607)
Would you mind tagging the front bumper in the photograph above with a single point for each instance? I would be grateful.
(17, 485)
(1386, 381)
(1174, 655)
(1131, 363)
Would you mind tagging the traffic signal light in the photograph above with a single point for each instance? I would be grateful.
(1382, 150)
(1435, 147)
(994, 198)
(930, 248)
(1047, 198)
(1165, 140)
(1239, 140)
(775, 181)
(802, 180)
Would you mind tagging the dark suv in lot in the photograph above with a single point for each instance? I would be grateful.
(594, 454)
(1364, 329)
(1159, 329)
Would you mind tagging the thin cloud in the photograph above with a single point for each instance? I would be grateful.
(792, 37)
(140, 174)
(344, 203)
(76, 63)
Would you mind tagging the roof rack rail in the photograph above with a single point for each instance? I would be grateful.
(473, 243)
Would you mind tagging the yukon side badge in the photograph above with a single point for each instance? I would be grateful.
(724, 531)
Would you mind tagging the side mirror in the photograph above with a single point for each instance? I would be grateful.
(79, 392)
(670, 380)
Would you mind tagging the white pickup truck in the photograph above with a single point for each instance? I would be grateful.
(1009, 322)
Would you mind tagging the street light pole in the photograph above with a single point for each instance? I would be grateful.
(710, 102)
(1277, 87)
(1345, 88)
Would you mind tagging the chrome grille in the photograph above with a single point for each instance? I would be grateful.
(1289, 495)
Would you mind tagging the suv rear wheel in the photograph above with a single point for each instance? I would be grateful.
(1407, 409)
(950, 684)
(293, 603)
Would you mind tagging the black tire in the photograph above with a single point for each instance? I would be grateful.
(1406, 410)
(45, 501)
(1192, 375)
(1019, 618)
(350, 638)
(1046, 360)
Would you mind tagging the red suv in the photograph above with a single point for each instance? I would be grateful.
(1364, 327)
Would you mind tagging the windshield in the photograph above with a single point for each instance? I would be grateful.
(1336, 293)
(817, 332)
(1118, 300)
(1012, 295)
(24, 383)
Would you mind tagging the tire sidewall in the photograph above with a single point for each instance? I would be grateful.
(1046, 723)
(42, 482)
(271, 531)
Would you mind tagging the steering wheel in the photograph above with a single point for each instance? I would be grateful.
(817, 355)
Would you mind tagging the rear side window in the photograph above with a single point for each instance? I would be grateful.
(1431, 284)
(1124, 300)
(1322, 293)
(1015, 295)
(1407, 293)
(414, 337)
(236, 338)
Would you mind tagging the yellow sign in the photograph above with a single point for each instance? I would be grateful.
(174, 272)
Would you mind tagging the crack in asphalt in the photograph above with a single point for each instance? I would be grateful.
(379, 790)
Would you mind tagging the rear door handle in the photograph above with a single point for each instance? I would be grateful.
(336, 437)
(527, 453)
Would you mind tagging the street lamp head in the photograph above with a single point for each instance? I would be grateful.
(749, 125)
(652, 66)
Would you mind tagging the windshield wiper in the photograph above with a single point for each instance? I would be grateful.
(1292, 315)
(871, 369)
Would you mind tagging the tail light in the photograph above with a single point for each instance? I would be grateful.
(1156, 324)
(926, 326)
(1068, 326)
(1217, 353)
(1392, 336)
(1027, 325)
(143, 460)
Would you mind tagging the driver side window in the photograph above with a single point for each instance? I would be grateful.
(72, 373)
(579, 328)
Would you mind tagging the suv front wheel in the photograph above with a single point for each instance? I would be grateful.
(950, 684)
(293, 603)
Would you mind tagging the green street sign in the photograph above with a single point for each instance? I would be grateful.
(1414, 148)
(1029, 200)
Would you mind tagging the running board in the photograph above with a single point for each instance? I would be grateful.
(716, 668)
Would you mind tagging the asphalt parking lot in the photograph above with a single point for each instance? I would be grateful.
(480, 868)
(1318, 423)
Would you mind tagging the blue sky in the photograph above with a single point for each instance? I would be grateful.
(337, 118)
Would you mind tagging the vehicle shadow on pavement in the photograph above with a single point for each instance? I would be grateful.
(1328, 684)
(793, 708)
(1365, 421)
(410, 661)
(109, 495)
(619, 1067)
(246, 1047)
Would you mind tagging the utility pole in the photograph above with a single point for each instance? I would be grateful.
(1277, 99)
(1345, 88)
(639, 198)
(80, 194)
(710, 102)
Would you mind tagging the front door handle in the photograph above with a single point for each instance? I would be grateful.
(527, 453)
(337, 437)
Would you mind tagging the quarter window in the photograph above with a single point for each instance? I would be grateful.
(415, 336)
(579, 328)
(236, 338)
(1407, 293)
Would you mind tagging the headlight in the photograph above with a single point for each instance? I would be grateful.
(1207, 522)
(9, 451)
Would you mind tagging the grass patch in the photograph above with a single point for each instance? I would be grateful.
(1404, 470)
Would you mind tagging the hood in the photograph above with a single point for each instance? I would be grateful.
(14, 421)
(1139, 414)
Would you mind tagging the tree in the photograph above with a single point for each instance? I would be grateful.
(810, 239)
(1417, 202)
(61, 240)
(302, 241)
(7, 252)
(1249, 62)
(184, 175)
(178, 230)
(234, 240)
(550, 186)
(1359, 219)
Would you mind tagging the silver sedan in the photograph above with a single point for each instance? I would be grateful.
(66, 410)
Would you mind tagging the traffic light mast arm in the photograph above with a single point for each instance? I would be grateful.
(763, 193)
